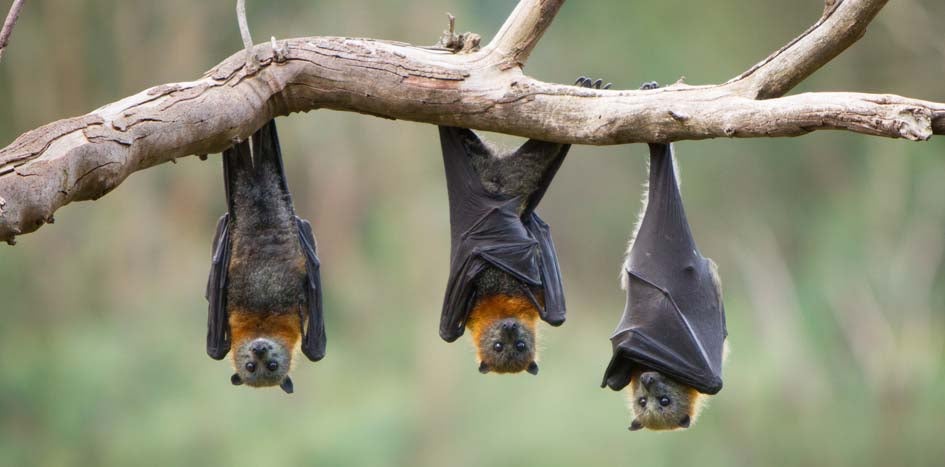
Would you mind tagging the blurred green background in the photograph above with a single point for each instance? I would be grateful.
(830, 247)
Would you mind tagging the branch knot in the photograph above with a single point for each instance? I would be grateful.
(466, 42)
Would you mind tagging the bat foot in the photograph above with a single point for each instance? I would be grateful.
(590, 83)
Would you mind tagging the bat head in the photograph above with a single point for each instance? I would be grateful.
(507, 346)
(660, 403)
(262, 362)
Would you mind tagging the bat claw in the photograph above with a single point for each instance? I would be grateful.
(585, 82)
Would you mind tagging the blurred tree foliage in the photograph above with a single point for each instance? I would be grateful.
(831, 247)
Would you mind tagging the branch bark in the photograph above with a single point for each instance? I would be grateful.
(85, 157)
(842, 24)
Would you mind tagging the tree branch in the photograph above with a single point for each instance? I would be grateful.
(843, 23)
(85, 157)
(8, 24)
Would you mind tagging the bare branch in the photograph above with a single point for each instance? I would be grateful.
(85, 157)
(8, 24)
(522, 31)
(843, 23)
(252, 63)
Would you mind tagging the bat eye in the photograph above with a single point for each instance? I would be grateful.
(642, 401)
(272, 366)
(664, 401)
(250, 367)
(520, 346)
(497, 346)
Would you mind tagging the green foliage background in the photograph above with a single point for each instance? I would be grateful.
(831, 248)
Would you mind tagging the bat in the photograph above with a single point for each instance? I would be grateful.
(669, 343)
(504, 273)
(264, 288)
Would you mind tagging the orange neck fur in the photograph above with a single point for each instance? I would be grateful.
(490, 309)
(283, 327)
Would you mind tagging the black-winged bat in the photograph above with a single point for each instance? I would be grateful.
(670, 341)
(503, 265)
(264, 287)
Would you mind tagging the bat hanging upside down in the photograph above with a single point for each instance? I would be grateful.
(264, 287)
(670, 343)
(503, 265)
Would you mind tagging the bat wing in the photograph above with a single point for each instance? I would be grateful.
(313, 339)
(218, 326)
(657, 333)
(499, 240)
(674, 322)
(559, 152)
(486, 229)
(553, 311)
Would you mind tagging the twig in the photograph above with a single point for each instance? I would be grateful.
(252, 63)
(9, 23)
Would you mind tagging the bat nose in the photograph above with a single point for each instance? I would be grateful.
(647, 380)
(509, 326)
(259, 349)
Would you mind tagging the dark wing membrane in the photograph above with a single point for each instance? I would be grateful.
(497, 239)
(487, 229)
(673, 322)
(553, 310)
(218, 326)
(558, 152)
(235, 165)
(459, 297)
(313, 337)
(656, 334)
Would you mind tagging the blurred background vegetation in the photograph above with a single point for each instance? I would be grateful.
(830, 246)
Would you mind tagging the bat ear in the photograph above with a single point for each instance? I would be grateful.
(287, 385)
(636, 425)
(685, 421)
(236, 380)
(484, 367)
(532, 368)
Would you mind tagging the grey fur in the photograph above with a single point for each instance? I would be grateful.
(507, 358)
(265, 240)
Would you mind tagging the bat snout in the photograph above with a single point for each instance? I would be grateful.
(509, 326)
(647, 379)
(259, 349)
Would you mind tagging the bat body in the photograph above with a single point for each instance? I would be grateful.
(503, 265)
(670, 341)
(264, 287)
(504, 273)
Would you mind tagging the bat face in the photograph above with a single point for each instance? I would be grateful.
(262, 362)
(503, 329)
(507, 346)
(659, 403)
(263, 347)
